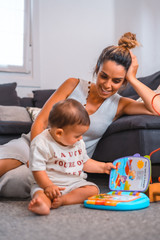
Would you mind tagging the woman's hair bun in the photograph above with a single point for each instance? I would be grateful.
(128, 40)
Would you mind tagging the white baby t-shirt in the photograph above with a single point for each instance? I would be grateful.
(63, 164)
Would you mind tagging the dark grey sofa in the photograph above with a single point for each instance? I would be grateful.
(8, 97)
(124, 137)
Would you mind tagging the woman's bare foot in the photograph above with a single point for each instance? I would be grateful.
(57, 202)
(37, 205)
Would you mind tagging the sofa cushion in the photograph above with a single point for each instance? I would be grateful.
(41, 96)
(152, 81)
(33, 112)
(8, 94)
(14, 113)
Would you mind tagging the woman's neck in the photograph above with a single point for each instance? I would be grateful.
(94, 101)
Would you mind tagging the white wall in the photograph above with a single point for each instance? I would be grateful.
(69, 35)
(72, 34)
(141, 17)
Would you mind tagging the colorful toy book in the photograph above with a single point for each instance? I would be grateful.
(127, 183)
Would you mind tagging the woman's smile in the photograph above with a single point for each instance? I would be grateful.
(104, 91)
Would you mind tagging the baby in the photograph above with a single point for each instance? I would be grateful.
(58, 160)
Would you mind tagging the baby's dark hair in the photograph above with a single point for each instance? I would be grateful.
(119, 54)
(67, 113)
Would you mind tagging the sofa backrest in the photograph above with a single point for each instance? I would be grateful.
(26, 102)
(9, 97)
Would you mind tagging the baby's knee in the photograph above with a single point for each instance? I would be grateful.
(94, 190)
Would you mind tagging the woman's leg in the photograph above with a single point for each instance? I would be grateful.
(40, 203)
(15, 180)
(8, 164)
(14, 153)
(76, 196)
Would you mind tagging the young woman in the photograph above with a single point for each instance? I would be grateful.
(115, 67)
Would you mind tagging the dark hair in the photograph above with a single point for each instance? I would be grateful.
(119, 54)
(68, 112)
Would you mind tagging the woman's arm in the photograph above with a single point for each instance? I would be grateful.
(61, 93)
(130, 106)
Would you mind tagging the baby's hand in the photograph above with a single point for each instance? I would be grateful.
(53, 191)
(108, 167)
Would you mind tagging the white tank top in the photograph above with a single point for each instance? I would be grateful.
(100, 120)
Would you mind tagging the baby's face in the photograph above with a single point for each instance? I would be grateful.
(72, 134)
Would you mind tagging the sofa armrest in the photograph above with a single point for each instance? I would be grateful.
(133, 122)
(129, 135)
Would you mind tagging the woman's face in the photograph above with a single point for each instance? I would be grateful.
(110, 78)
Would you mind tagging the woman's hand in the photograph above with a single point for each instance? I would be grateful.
(132, 71)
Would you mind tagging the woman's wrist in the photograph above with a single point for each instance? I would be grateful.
(132, 80)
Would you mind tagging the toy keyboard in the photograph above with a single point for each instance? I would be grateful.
(127, 182)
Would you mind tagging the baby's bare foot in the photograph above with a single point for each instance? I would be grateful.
(57, 202)
(37, 205)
